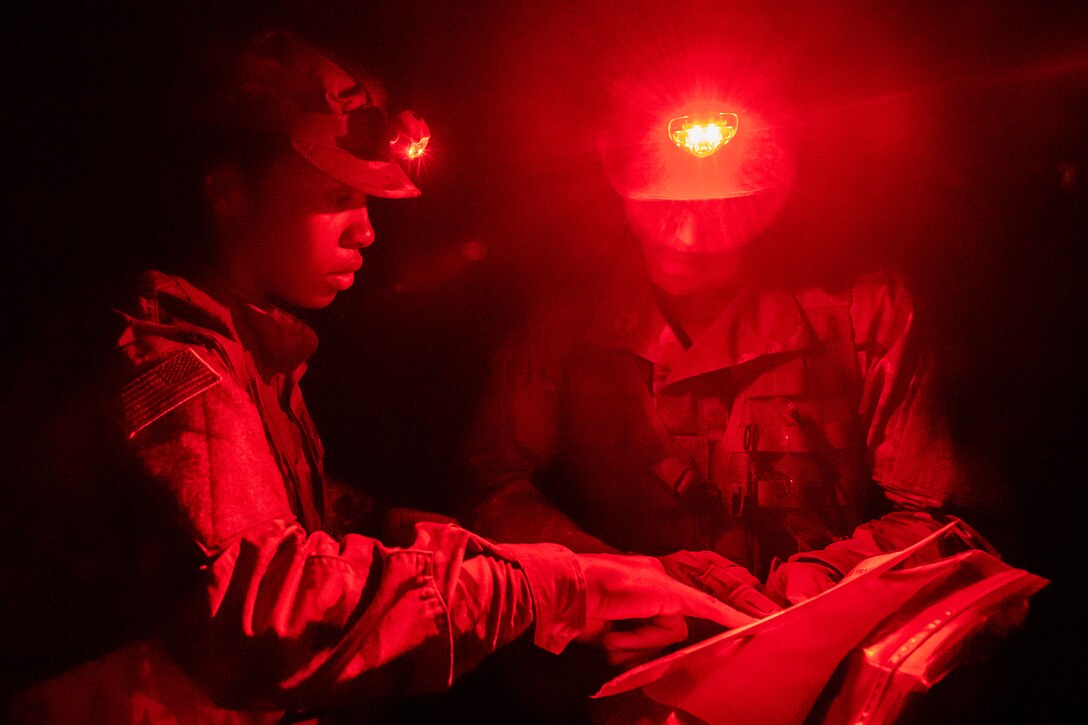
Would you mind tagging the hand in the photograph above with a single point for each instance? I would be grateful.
(627, 643)
(795, 581)
(721, 578)
(651, 605)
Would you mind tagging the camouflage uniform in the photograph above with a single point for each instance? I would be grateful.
(171, 541)
(762, 441)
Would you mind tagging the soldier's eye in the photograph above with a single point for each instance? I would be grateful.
(346, 200)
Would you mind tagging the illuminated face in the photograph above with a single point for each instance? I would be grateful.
(300, 237)
(694, 246)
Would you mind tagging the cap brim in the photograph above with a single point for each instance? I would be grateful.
(374, 178)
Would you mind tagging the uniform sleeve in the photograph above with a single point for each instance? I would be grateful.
(511, 442)
(912, 455)
(286, 618)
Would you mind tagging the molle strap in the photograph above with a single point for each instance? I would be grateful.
(791, 493)
(779, 493)
(684, 469)
(801, 438)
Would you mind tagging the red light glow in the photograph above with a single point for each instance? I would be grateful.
(416, 149)
(411, 137)
(703, 138)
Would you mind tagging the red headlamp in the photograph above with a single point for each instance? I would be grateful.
(703, 136)
(410, 135)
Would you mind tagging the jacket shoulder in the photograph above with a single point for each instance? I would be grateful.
(173, 343)
(159, 314)
(881, 308)
(166, 300)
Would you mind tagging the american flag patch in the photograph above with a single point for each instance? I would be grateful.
(178, 378)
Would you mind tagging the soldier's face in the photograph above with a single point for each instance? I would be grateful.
(301, 235)
(690, 246)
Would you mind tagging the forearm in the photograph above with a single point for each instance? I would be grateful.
(290, 620)
(808, 573)
(893, 531)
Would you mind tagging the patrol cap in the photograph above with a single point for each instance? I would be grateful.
(644, 157)
(336, 119)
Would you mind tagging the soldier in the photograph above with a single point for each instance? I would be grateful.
(693, 411)
(171, 549)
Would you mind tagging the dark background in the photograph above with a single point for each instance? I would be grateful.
(946, 140)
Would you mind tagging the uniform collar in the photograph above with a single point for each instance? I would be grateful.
(279, 341)
(756, 323)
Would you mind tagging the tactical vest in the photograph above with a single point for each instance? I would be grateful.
(756, 461)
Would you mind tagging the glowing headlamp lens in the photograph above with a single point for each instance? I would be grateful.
(416, 149)
(411, 137)
(702, 137)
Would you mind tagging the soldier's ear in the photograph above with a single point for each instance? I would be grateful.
(225, 190)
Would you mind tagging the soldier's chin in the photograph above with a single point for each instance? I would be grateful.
(682, 275)
(314, 300)
(685, 283)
